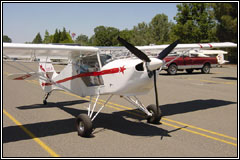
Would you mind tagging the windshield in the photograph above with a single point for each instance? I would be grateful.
(105, 58)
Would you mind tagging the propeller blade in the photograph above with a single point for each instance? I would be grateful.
(167, 50)
(134, 50)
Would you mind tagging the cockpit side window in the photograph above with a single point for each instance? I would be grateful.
(89, 64)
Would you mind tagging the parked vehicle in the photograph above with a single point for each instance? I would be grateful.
(190, 62)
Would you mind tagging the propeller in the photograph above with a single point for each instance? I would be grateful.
(167, 50)
(151, 64)
(134, 50)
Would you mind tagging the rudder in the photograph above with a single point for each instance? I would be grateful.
(47, 70)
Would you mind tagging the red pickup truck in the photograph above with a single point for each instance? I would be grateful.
(190, 62)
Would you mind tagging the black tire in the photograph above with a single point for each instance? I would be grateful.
(45, 102)
(84, 125)
(172, 69)
(206, 69)
(189, 71)
(156, 117)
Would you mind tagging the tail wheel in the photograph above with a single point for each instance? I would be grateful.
(156, 115)
(84, 125)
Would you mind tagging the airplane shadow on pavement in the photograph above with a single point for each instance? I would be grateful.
(191, 106)
(115, 121)
(228, 78)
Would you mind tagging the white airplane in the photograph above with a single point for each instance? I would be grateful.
(206, 53)
(91, 71)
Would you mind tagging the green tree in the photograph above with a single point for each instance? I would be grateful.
(105, 36)
(127, 35)
(37, 39)
(56, 37)
(63, 35)
(160, 28)
(82, 40)
(91, 40)
(68, 39)
(226, 15)
(141, 34)
(194, 23)
(6, 39)
(46, 37)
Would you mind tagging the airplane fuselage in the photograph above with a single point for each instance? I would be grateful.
(118, 77)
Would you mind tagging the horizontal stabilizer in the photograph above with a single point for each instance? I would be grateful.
(23, 76)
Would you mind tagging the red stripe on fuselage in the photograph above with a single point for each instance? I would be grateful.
(88, 74)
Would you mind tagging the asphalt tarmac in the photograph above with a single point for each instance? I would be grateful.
(200, 119)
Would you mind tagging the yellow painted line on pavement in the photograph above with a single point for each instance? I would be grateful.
(209, 81)
(217, 72)
(184, 124)
(201, 134)
(37, 140)
(191, 126)
(136, 114)
(168, 124)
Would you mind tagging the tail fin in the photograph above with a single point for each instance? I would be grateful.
(220, 58)
(46, 68)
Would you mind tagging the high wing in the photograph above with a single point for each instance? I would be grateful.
(17, 50)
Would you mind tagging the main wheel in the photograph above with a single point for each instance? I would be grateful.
(45, 102)
(172, 69)
(206, 69)
(84, 125)
(156, 116)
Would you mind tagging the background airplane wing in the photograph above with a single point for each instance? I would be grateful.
(15, 50)
(191, 46)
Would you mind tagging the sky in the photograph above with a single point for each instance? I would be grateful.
(22, 21)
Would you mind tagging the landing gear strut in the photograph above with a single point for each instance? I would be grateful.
(46, 97)
(153, 113)
(84, 121)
